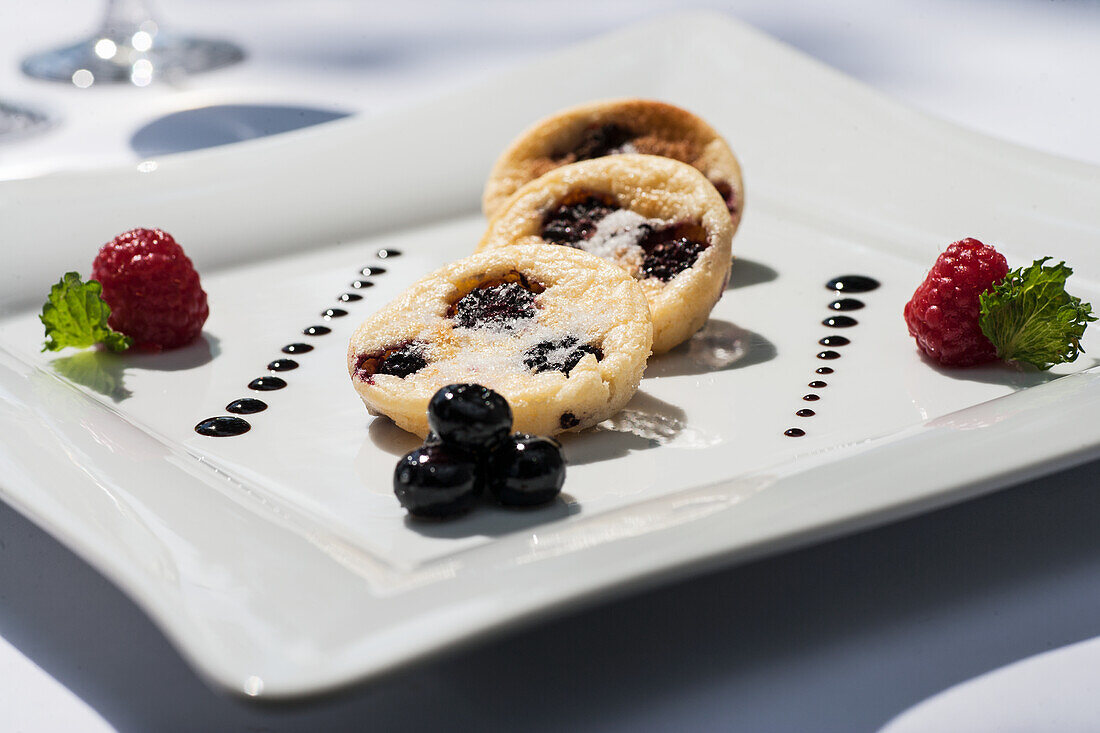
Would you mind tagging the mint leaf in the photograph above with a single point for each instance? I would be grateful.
(76, 315)
(1030, 317)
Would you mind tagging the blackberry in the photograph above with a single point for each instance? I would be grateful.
(526, 470)
(504, 305)
(600, 140)
(397, 361)
(576, 217)
(561, 355)
(671, 250)
(436, 481)
(725, 190)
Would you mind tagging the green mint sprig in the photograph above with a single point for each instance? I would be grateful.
(76, 315)
(1031, 318)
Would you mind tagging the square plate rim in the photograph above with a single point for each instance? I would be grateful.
(1080, 393)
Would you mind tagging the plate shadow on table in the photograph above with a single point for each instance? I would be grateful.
(223, 124)
(104, 371)
(972, 587)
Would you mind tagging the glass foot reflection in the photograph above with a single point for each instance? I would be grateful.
(136, 58)
(18, 121)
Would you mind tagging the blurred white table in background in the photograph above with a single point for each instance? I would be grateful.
(1018, 70)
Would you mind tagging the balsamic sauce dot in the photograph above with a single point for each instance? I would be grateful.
(360, 284)
(246, 406)
(329, 313)
(824, 370)
(846, 304)
(222, 427)
(818, 384)
(317, 330)
(266, 384)
(794, 432)
(296, 348)
(811, 397)
(828, 355)
(834, 341)
(383, 254)
(806, 412)
(370, 270)
(852, 284)
(282, 365)
(840, 321)
(349, 297)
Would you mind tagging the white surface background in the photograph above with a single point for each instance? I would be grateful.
(840, 637)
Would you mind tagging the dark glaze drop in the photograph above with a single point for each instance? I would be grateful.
(282, 365)
(852, 284)
(317, 330)
(794, 432)
(824, 370)
(349, 297)
(223, 427)
(846, 304)
(370, 270)
(360, 284)
(818, 384)
(811, 397)
(384, 254)
(246, 406)
(828, 355)
(806, 412)
(840, 321)
(329, 313)
(267, 384)
(834, 341)
(296, 348)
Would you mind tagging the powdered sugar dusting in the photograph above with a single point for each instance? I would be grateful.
(617, 236)
(495, 356)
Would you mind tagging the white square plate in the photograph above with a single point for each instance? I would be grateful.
(279, 562)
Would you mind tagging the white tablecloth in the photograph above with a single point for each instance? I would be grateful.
(846, 645)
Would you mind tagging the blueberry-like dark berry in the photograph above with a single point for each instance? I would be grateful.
(671, 250)
(470, 416)
(526, 470)
(436, 481)
(559, 355)
(576, 217)
(505, 305)
(600, 140)
(398, 361)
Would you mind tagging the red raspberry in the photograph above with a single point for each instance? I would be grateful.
(152, 288)
(943, 314)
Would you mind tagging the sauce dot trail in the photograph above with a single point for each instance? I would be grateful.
(843, 284)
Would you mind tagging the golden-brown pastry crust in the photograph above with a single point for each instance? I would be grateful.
(579, 297)
(656, 128)
(651, 191)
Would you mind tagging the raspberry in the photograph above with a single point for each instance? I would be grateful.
(943, 313)
(152, 288)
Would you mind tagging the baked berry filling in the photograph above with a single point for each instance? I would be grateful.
(503, 303)
(670, 250)
(600, 140)
(725, 190)
(560, 355)
(576, 217)
(397, 361)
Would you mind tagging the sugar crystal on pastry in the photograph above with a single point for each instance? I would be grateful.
(557, 331)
